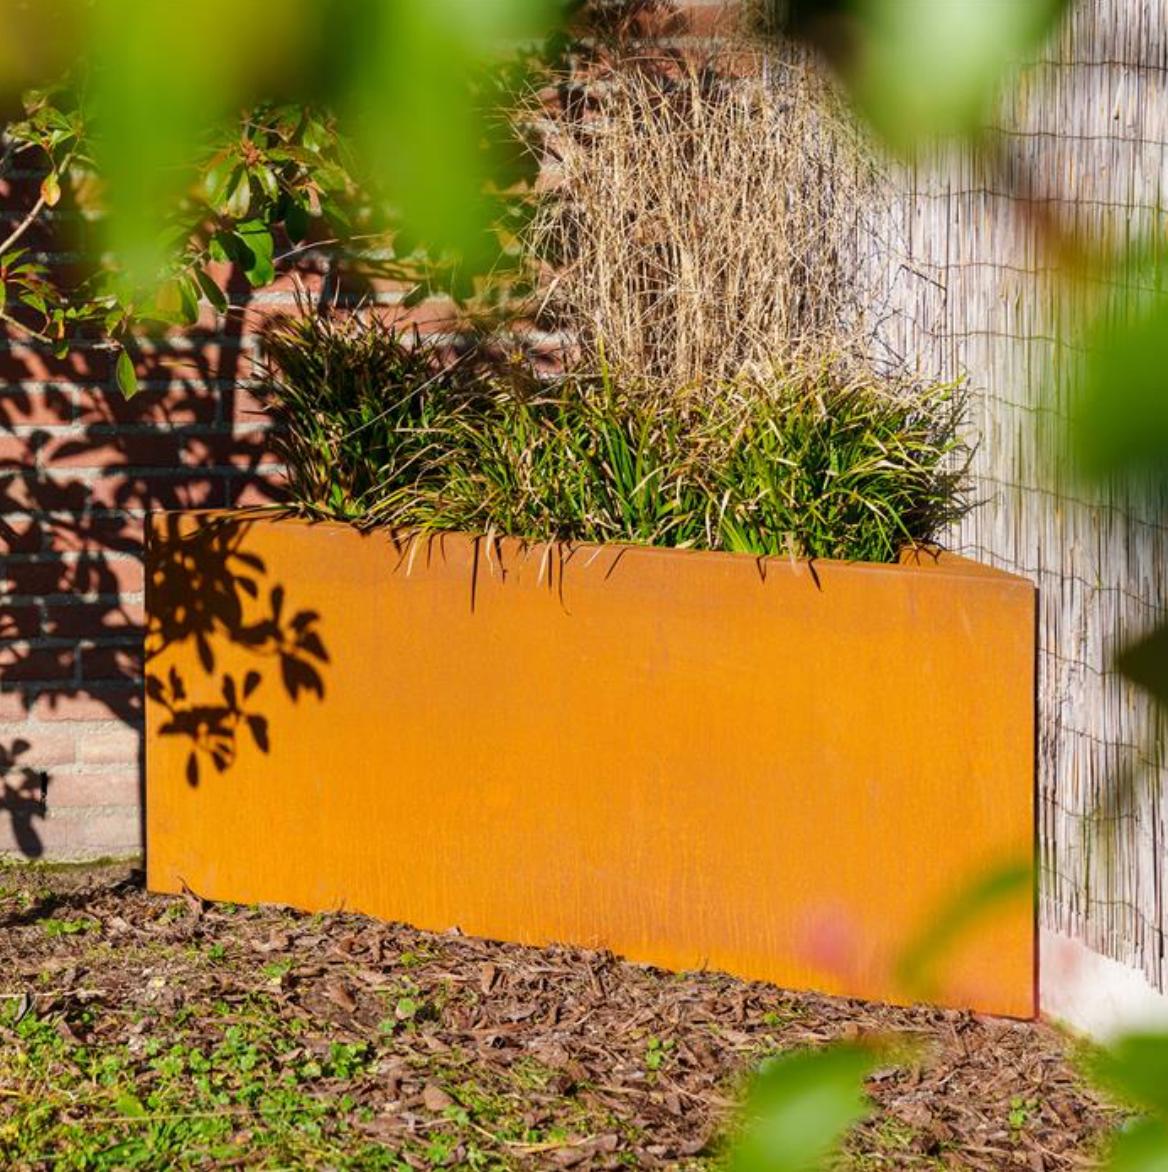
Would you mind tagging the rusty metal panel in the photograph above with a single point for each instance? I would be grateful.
(694, 759)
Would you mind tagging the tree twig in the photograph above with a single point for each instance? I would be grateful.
(27, 329)
(24, 225)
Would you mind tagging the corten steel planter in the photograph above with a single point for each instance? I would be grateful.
(780, 769)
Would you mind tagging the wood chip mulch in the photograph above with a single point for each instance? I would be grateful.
(642, 1068)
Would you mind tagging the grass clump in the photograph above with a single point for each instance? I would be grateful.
(352, 400)
(802, 461)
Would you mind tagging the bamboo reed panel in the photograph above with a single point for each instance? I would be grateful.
(970, 288)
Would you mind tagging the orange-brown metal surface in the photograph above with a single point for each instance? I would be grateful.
(694, 759)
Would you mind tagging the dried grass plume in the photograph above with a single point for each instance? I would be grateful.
(701, 225)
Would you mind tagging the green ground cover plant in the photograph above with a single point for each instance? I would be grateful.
(808, 460)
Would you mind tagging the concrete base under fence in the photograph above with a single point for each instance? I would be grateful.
(1093, 994)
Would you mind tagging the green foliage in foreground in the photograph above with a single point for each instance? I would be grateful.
(1135, 1068)
(800, 1105)
(802, 463)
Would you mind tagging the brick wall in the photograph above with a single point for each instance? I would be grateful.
(80, 469)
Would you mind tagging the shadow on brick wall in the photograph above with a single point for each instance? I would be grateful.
(80, 471)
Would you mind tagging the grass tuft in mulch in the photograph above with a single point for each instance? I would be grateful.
(142, 1031)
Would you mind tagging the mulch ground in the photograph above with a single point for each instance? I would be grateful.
(152, 1032)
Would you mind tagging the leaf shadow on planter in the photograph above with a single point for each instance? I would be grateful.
(81, 469)
(208, 589)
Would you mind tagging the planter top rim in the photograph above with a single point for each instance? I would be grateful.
(923, 559)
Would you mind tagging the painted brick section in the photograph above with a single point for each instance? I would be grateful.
(109, 746)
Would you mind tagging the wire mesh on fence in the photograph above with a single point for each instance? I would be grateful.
(972, 287)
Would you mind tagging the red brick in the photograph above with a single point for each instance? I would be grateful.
(93, 705)
(35, 364)
(116, 745)
(20, 534)
(35, 577)
(49, 747)
(111, 663)
(247, 491)
(309, 275)
(115, 833)
(176, 405)
(25, 664)
(246, 407)
(74, 834)
(37, 494)
(209, 360)
(87, 619)
(111, 450)
(42, 408)
(227, 450)
(97, 574)
(95, 534)
(14, 708)
(431, 317)
(17, 452)
(193, 489)
(22, 832)
(89, 788)
(20, 622)
(108, 575)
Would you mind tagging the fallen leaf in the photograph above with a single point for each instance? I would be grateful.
(435, 1098)
(339, 995)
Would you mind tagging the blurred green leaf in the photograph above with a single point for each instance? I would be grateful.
(917, 971)
(1119, 423)
(800, 1106)
(1120, 417)
(414, 105)
(126, 375)
(211, 291)
(258, 118)
(1145, 662)
(256, 238)
(1136, 1067)
(1141, 1148)
(154, 107)
(168, 303)
(922, 67)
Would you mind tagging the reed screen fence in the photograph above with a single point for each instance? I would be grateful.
(961, 252)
